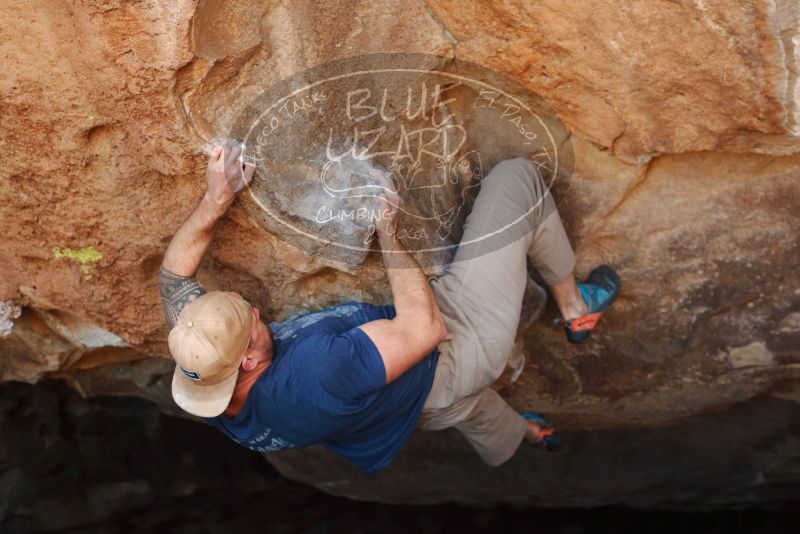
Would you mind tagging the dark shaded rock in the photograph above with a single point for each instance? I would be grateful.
(748, 455)
(119, 465)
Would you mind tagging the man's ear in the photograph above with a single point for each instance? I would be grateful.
(249, 363)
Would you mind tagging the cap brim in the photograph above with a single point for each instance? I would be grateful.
(202, 401)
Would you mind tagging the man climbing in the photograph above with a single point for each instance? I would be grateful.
(359, 378)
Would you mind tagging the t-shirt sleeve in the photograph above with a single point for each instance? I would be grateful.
(353, 313)
(353, 367)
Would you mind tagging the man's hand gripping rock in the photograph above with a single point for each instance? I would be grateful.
(226, 174)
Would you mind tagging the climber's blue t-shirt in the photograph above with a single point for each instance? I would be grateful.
(327, 384)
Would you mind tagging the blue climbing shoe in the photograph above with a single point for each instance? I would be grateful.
(599, 291)
(548, 437)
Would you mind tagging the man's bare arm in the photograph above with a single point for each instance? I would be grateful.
(418, 326)
(176, 292)
(225, 178)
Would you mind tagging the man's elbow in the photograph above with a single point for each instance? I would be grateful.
(427, 332)
(433, 330)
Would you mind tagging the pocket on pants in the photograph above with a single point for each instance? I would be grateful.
(479, 363)
(442, 393)
(464, 369)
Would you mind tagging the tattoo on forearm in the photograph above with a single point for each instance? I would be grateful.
(176, 292)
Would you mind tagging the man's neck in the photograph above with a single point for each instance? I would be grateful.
(244, 381)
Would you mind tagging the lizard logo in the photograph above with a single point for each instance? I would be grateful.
(330, 142)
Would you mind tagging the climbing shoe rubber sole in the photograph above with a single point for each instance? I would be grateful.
(548, 437)
(606, 279)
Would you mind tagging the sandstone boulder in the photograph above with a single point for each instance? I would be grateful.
(682, 118)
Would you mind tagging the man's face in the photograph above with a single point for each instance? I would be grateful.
(260, 348)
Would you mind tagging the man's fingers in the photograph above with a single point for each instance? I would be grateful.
(249, 169)
(393, 199)
(215, 153)
(234, 150)
(385, 181)
(227, 148)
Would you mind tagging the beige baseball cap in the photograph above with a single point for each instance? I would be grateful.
(208, 344)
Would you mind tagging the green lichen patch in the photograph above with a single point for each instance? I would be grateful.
(86, 257)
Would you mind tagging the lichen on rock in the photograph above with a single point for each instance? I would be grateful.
(85, 257)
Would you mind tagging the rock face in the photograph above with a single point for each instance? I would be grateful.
(682, 117)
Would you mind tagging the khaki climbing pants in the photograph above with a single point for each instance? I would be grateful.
(480, 295)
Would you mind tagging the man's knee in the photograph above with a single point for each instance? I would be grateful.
(520, 166)
(519, 172)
